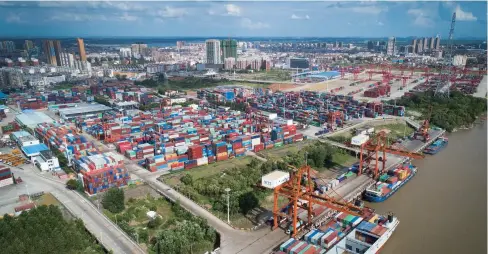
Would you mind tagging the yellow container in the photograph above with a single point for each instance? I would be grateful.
(373, 219)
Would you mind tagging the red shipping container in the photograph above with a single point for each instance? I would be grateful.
(236, 145)
(331, 237)
(392, 179)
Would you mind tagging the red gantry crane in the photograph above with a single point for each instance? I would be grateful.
(424, 129)
(376, 149)
(296, 192)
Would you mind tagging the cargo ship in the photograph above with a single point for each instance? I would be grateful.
(390, 183)
(437, 146)
(345, 234)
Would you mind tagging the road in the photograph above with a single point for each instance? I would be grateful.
(232, 240)
(99, 225)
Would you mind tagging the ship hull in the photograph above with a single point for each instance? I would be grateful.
(376, 199)
(435, 151)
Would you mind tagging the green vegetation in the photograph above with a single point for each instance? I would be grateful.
(274, 74)
(396, 131)
(113, 200)
(63, 162)
(457, 111)
(63, 85)
(245, 196)
(102, 100)
(74, 184)
(173, 231)
(44, 230)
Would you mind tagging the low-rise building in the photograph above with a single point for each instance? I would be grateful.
(34, 150)
(24, 138)
(32, 118)
(83, 110)
(46, 161)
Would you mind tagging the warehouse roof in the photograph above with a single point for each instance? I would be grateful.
(34, 149)
(84, 108)
(19, 134)
(33, 118)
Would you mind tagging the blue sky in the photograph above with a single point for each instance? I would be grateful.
(239, 19)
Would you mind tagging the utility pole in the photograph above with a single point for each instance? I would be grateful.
(228, 205)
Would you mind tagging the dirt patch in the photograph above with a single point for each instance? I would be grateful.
(280, 87)
(140, 191)
(47, 199)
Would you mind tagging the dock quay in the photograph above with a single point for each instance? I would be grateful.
(353, 189)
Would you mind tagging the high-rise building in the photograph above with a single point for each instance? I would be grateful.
(7, 46)
(58, 50)
(414, 46)
(67, 60)
(390, 47)
(125, 52)
(49, 52)
(180, 44)
(426, 43)
(336, 44)
(340, 44)
(139, 49)
(432, 43)
(212, 49)
(437, 42)
(81, 49)
(28, 45)
(370, 45)
(228, 48)
(420, 47)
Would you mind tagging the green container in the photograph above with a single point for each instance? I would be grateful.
(278, 144)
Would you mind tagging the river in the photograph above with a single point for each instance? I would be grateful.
(443, 208)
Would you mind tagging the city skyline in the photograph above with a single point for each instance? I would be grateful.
(241, 19)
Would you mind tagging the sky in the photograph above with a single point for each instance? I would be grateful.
(241, 19)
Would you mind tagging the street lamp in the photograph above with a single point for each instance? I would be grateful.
(228, 209)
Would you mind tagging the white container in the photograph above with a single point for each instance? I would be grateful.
(202, 161)
(274, 179)
(359, 139)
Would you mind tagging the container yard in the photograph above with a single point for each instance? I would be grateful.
(99, 170)
(315, 108)
(187, 137)
(6, 176)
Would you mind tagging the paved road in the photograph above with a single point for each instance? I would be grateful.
(232, 240)
(101, 227)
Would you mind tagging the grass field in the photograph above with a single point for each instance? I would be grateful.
(276, 75)
(173, 179)
(278, 152)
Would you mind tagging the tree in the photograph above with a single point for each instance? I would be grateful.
(247, 202)
(187, 179)
(44, 230)
(72, 184)
(113, 200)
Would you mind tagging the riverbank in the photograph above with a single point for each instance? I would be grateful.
(447, 195)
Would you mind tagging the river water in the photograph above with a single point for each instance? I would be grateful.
(443, 208)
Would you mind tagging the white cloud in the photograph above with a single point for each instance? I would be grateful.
(127, 17)
(249, 24)
(293, 16)
(170, 12)
(232, 10)
(464, 16)
(370, 9)
(379, 23)
(13, 18)
(421, 18)
(79, 17)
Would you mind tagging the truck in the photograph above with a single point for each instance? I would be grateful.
(290, 227)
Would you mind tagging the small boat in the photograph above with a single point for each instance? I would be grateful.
(437, 146)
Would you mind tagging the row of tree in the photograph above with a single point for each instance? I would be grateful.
(459, 110)
(244, 196)
(44, 230)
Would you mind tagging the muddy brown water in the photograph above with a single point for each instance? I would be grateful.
(443, 208)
